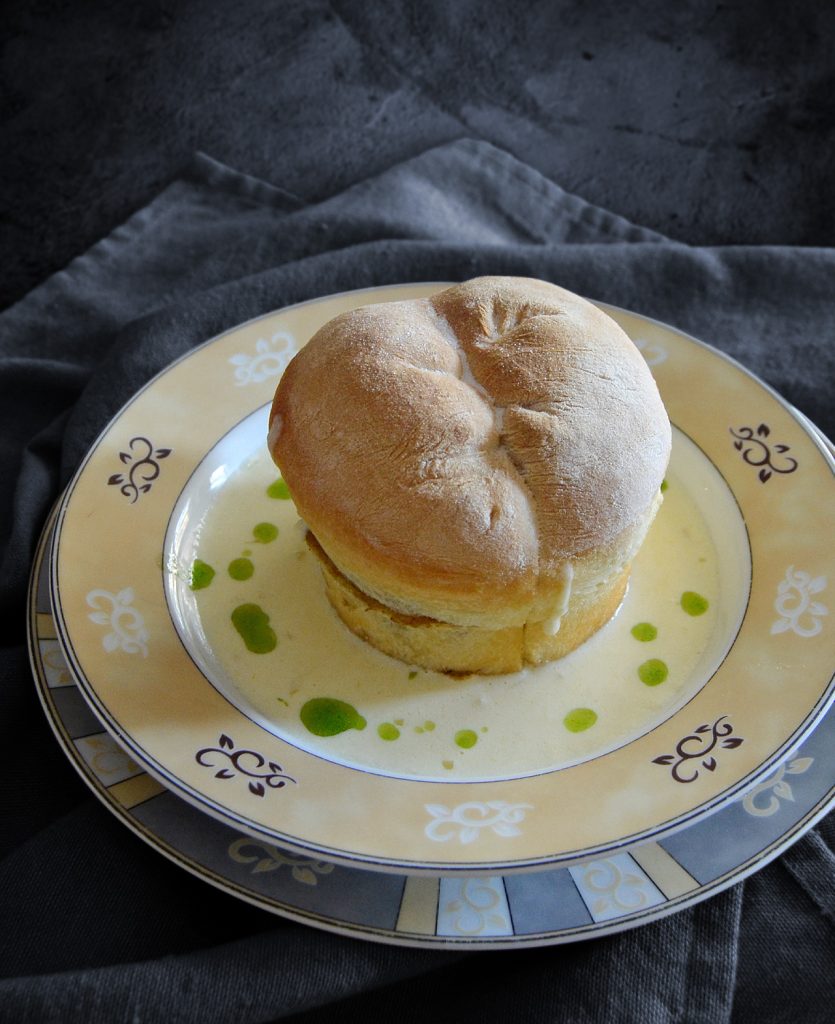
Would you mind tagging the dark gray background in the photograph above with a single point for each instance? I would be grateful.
(709, 122)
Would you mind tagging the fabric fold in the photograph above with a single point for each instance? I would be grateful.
(214, 249)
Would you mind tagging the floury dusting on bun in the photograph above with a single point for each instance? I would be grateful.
(476, 470)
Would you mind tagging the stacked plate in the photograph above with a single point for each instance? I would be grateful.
(199, 682)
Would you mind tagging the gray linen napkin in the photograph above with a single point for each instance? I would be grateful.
(214, 249)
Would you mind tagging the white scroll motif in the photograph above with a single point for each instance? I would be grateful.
(777, 787)
(467, 822)
(799, 612)
(473, 906)
(127, 627)
(615, 887)
(270, 359)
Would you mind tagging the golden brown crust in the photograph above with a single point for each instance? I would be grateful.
(465, 650)
(453, 455)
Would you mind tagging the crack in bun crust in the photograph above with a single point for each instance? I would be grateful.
(460, 457)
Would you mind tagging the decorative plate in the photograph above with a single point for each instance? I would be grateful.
(555, 905)
(197, 629)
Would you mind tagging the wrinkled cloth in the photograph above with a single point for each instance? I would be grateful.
(97, 926)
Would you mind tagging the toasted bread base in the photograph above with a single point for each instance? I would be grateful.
(466, 650)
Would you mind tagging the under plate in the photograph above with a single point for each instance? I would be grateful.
(557, 905)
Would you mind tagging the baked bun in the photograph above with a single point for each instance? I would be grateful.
(478, 470)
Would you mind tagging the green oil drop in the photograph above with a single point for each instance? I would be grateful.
(693, 603)
(429, 726)
(253, 625)
(202, 574)
(413, 675)
(387, 731)
(579, 719)
(265, 533)
(466, 738)
(653, 672)
(326, 716)
(664, 486)
(644, 631)
(279, 489)
(241, 569)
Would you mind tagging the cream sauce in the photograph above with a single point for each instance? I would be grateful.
(539, 719)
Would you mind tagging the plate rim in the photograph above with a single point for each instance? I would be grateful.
(423, 866)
